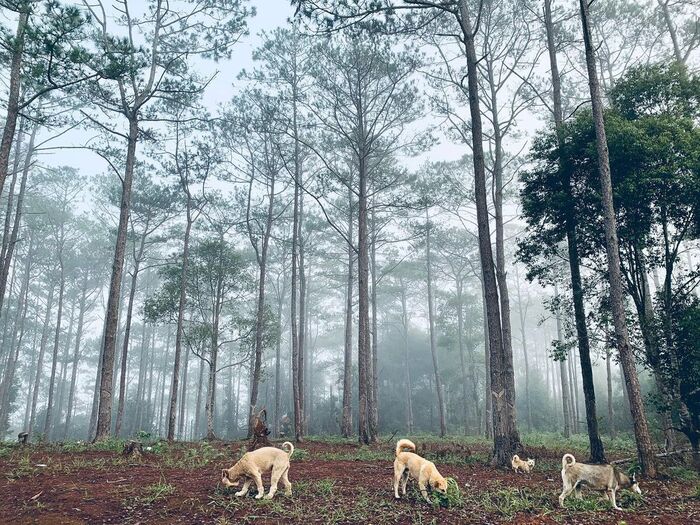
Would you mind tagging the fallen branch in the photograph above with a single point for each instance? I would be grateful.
(661, 455)
(391, 438)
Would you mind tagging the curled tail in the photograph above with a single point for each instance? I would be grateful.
(405, 443)
(288, 448)
(565, 460)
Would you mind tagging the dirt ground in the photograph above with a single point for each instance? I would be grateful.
(332, 483)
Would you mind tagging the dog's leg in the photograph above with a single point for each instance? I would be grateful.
(611, 497)
(404, 481)
(259, 485)
(274, 479)
(398, 471)
(577, 491)
(286, 483)
(423, 491)
(244, 488)
(568, 489)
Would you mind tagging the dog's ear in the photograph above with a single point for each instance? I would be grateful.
(224, 473)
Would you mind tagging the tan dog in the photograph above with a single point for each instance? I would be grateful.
(254, 464)
(410, 464)
(597, 477)
(520, 465)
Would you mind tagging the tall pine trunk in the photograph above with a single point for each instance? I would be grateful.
(40, 360)
(56, 344)
(182, 301)
(127, 333)
(406, 360)
(433, 332)
(13, 93)
(104, 409)
(260, 315)
(617, 300)
(506, 437)
(346, 423)
(595, 443)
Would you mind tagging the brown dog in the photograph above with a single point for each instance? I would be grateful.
(254, 464)
(410, 464)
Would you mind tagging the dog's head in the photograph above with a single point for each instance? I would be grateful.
(439, 484)
(229, 478)
(530, 462)
(634, 486)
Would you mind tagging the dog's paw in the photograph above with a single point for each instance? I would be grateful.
(240, 493)
(288, 493)
(258, 495)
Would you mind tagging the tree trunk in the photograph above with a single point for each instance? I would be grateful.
(278, 360)
(22, 304)
(506, 437)
(521, 314)
(183, 398)
(13, 93)
(182, 301)
(64, 361)
(127, 333)
(76, 355)
(641, 429)
(346, 424)
(433, 332)
(7, 260)
(663, 5)
(463, 366)
(196, 432)
(11, 191)
(301, 366)
(611, 412)
(488, 404)
(40, 359)
(104, 410)
(374, 390)
(506, 365)
(363, 336)
(54, 356)
(260, 316)
(406, 361)
(564, 378)
(596, 445)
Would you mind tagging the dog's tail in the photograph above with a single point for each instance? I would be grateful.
(288, 448)
(405, 443)
(515, 458)
(567, 460)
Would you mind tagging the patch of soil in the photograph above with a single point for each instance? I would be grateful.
(94, 487)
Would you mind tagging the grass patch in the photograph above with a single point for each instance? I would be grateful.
(325, 487)
(156, 491)
(453, 498)
(683, 473)
(508, 501)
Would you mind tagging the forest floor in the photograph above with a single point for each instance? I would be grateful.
(333, 482)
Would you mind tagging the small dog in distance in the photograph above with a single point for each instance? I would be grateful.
(520, 465)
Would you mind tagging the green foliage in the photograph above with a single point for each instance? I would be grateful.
(156, 491)
(453, 498)
(508, 501)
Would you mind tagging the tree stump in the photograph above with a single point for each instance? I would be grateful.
(133, 449)
(23, 438)
(260, 432)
